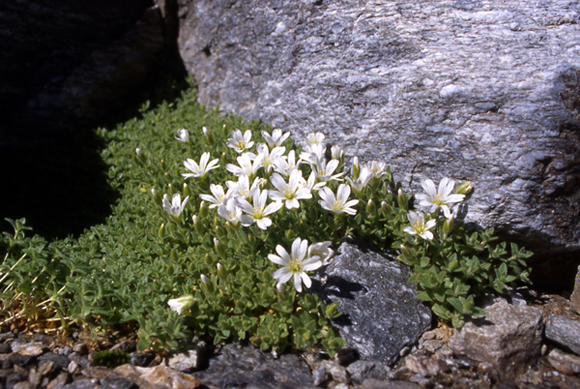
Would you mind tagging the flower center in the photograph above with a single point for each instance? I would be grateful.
(439, 200)
(258, 213)
(289, 194)
(295, 266)
(337, 205)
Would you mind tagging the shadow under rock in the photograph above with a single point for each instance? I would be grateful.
(58, 184)
(53, 175)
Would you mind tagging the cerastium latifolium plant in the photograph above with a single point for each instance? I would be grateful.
(218, 224)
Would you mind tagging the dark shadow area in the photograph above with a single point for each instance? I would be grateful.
(52, 171)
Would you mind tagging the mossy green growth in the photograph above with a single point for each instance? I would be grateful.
(128, 269)
(110, 358)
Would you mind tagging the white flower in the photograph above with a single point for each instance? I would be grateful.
(176, 206)
(218, 195)
(324, 170)
(439, 198)
(361, 181)
(269, 158)
(247, 167)
(312, 153)
(257, 212)
(240, 142)
(182, 135)
(418, 225)
(322, 250)
(201, 169)
(242, 188)
(230, 210)
(336, 152)
(295, 264)
(312, 183)
(285, 164)
(290, 192)
(182, 303)
(338, 203)
(378, 169)
(277, 138)
(315, 138)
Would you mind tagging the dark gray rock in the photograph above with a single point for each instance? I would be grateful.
(575, 297)
(381, 313)
(61, 361)
(118, 383)
(82, 384)
(247, 367)
(361, 371)
(75, 52)
(141, 359)
(480, 91)
(110, 74)
(565, 332)
(372, 383)
(509, 338)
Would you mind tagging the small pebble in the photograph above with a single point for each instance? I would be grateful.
(73, 367)
(81, 348)
(320, 376)
(66, 350)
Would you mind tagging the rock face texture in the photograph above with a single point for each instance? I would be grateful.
(381, 312)
(486, 91)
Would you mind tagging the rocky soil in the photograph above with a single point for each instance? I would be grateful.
(441, 359)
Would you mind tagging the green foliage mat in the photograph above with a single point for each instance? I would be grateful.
(127, 269)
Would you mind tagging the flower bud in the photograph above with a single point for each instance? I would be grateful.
(203, 210)
(402, 199)
(140, 155)
(221, 250)
(448, 225)
(156, 196)
(204, 130)
(186, 189)
(386, 208)
(355, 168)
(207, 283)
(161, 231)
(371, 207)
(464, 188)
(221, 271)
(197, 226)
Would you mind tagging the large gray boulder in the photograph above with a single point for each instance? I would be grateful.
(480, 91)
